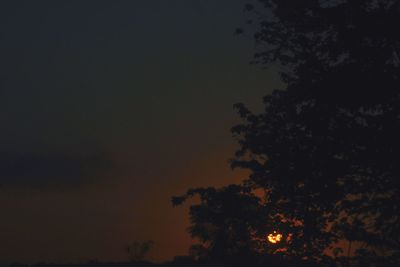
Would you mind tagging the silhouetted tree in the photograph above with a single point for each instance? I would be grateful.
(324, 150)
(224, 222)
(137, 250)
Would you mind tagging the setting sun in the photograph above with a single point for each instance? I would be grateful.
(274, 237)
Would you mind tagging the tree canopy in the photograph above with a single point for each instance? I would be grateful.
(324, 150)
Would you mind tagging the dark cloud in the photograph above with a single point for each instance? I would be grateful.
(52, 170)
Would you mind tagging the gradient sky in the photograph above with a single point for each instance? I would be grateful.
(109, 108)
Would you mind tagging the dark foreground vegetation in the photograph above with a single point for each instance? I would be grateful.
(266, 261)
(177, 262)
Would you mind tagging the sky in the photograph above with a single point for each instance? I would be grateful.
(107, 110)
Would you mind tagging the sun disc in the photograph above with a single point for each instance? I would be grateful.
(274, 237)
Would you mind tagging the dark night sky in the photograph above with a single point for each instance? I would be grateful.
(107, 109)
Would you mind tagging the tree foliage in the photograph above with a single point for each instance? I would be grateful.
(138, 250)
(223, 222)
(324, 150)
(334, 131)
